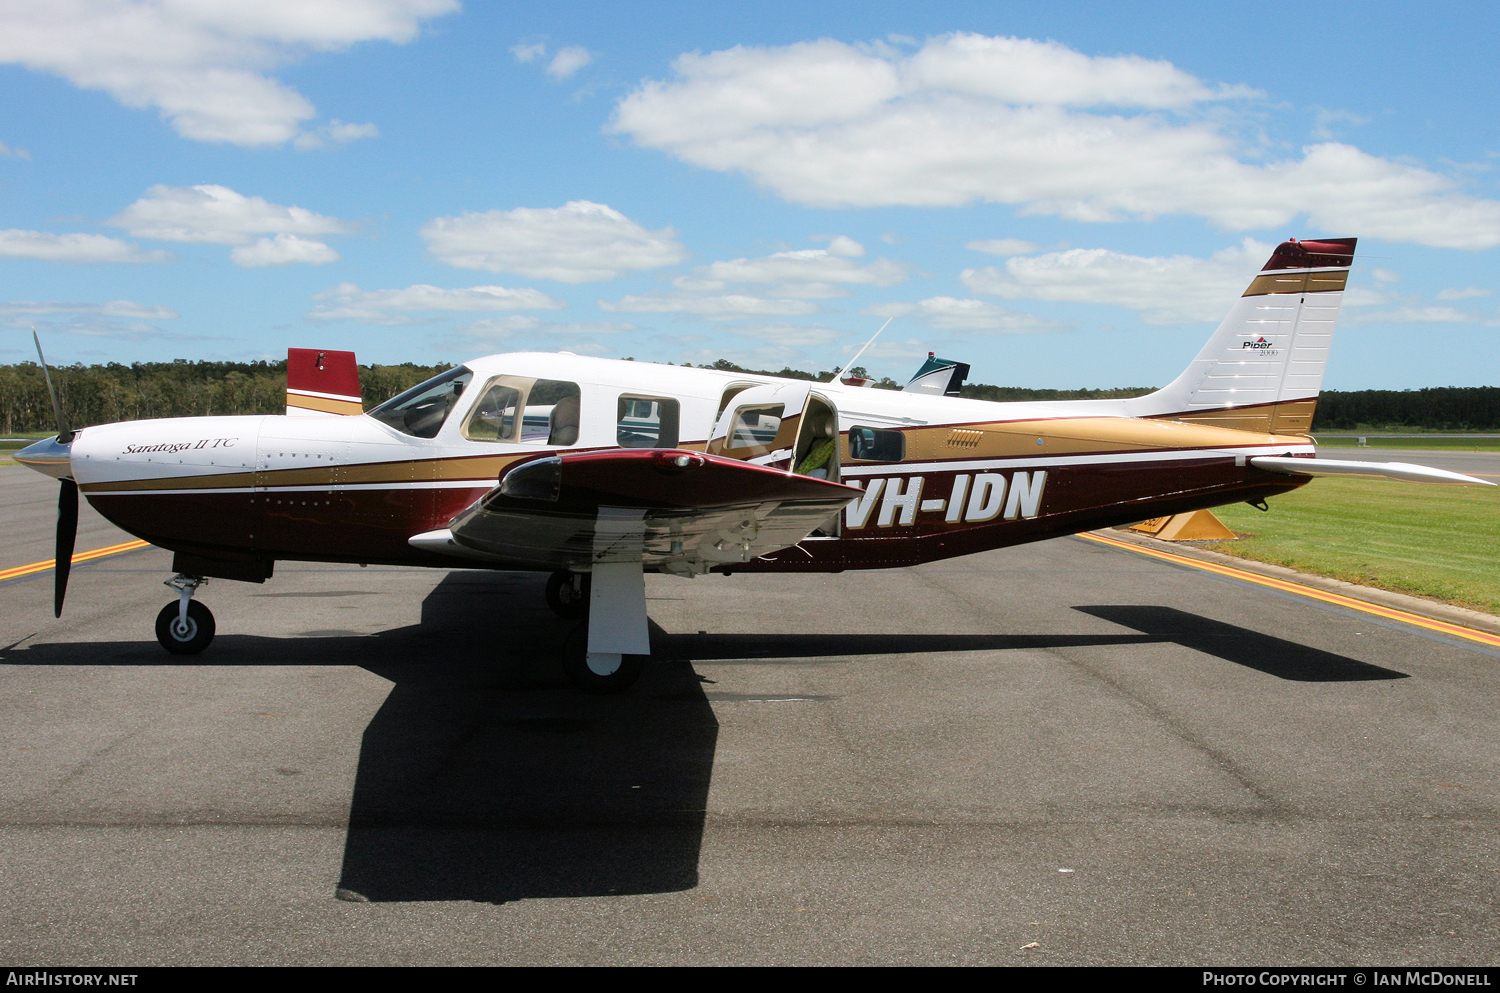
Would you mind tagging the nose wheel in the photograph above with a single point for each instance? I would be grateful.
(185, 627)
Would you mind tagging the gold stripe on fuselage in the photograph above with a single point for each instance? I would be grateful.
(993, 439)
(1066, 436)
(325, 405)
(1297, 282)
(1284, 417)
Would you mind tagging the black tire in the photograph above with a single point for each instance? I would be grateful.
(575, 660)
(568, 600)
(200, 628)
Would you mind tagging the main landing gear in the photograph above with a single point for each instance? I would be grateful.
(568, 594)
(607, 650)
(185, 627)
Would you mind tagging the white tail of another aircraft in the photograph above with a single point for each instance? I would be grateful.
(1262, 370)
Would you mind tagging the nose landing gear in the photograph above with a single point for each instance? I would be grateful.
(185, 627)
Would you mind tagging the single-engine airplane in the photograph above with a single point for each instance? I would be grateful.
(599, 470)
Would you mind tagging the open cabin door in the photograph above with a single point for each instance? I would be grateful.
(782, 426)
(760, 425)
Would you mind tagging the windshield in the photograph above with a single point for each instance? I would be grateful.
(422, 409)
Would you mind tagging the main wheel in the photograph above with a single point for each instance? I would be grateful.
(185, 639)
(568, 594)
(599, 673)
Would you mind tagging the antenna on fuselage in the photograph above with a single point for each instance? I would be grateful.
(850, 363)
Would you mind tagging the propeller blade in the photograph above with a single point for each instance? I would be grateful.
(67, 531)
(64, 433)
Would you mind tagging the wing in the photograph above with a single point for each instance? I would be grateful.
(672, 510)
(1390, 470)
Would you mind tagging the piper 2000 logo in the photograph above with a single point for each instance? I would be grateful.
(1259, 344)
(975, 500)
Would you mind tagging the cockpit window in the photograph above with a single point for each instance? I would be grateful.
(518, 408)
(421, 410)
(494, 417)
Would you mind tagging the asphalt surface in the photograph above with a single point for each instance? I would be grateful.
(1118, 759)
(1486, 465)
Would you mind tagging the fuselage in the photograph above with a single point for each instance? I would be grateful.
(940, 476)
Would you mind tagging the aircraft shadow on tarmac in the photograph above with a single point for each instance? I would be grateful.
(1242, 646)
(485, 777)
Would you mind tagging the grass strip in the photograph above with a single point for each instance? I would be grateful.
(1440, 542)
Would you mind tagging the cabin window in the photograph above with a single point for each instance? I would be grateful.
(876, 445)
(646, 422)
(552, 413)
(515, 408)
(494, 417)
(754, 429)
(422, 410)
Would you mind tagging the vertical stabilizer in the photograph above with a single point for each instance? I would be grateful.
(1262, 370)
(321, 382)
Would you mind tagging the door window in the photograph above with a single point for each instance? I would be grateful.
(754, 430)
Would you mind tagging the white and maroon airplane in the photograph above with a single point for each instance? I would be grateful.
(598, 470)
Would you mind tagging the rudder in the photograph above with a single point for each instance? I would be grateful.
(1263, 368)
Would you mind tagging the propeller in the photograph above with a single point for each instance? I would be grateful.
(67, 497)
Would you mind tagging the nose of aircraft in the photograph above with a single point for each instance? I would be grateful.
(48, 457)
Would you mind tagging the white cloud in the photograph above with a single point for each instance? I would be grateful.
(528, 53)
(579, 242)
(1384, 276)
(1414, 315)
(284, 249)
(954, 314)
(516, 324)
(347, 302)
(1004, 247)
(204, 66)
(793, 336)
(114, 308)
(1466, 293)
(1028, 123)
(713, 307)
(114, 319)
(335, 132)
(11, 152)
(217, 214)
(1165, 289)
(567, 61)
(814, 273)
(1360, 296)
(48, 247)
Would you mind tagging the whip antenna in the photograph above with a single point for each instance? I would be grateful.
(861, 351)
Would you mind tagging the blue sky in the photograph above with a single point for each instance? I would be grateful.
(1061, 195)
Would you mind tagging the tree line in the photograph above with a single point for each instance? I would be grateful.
(101, 394)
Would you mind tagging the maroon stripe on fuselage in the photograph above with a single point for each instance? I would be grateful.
(1075, 498)
(373, 525)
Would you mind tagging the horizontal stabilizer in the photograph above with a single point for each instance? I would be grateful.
(1389, 470)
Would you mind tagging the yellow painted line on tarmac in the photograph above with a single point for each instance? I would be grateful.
(89, 556)
(1390, 613)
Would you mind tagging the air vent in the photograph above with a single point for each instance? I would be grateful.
(961, 438)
